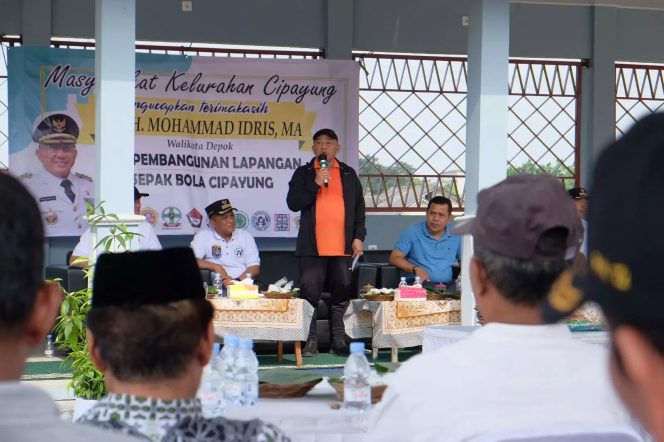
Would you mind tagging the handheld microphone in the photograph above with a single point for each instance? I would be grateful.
(322, 160)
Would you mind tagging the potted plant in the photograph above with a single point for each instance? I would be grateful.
(87, 382)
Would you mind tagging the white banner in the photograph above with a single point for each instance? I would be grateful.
(206, 129)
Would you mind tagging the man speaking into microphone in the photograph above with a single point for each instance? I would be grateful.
(329, 196)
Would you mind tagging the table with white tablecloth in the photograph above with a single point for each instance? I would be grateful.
(309, 418)
(265, 319)
(435, 337)
(397, 324)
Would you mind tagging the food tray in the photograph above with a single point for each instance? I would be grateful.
(378, 297)
(442, 296)
(280, 295)
(376, 391)
(281, 391)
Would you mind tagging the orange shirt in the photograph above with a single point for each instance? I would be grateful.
(330, 215)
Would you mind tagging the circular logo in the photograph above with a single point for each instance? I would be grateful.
(260, 220)
(241, 220)
(239, 252)
(150, 215)
(171, 216)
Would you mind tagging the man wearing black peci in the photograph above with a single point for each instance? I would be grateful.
(332, 228)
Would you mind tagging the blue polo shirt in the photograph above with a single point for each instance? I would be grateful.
(436, 256)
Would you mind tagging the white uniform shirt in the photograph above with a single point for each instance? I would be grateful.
(60, 215)
(234, 256)
(147, 241)
(501, 377)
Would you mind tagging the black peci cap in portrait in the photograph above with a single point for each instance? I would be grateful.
(57, 128)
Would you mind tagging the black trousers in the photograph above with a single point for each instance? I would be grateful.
(332, 273)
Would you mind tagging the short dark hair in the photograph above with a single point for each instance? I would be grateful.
(440, 200)
(21, 253)
(150, 342)
(523, 281)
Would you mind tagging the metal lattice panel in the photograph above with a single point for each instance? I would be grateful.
(542, 129)
(5, 44)
(639, 92)
(413, 119)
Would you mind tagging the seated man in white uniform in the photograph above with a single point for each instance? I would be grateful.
(514, 373)
(147, 239)
(224, 249)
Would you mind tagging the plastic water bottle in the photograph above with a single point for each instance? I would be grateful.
(218, 284)
(209, 392)
(402, 283)
(48, 351)
(246, 372)
(218, 379)
(231, 388)
(418, 282)
(250, 280)
(357, 391)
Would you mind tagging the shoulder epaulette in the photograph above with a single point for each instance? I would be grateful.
(84, 177)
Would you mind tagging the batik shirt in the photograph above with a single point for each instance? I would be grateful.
(178, 420)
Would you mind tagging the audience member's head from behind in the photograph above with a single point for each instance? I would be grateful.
(150, 331)
(222, 217)
(28, 306)
(625, 277)
(580, 197)
(525, 234)
(439, 215)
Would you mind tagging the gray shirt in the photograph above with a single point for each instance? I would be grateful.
(28, 414)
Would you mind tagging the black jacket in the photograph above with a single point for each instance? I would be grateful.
(302, 191)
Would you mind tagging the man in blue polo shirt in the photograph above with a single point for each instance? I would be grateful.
(427, 249)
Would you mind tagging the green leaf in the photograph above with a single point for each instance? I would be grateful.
(64, 308)
(79, 324)
(386, 367)
(287, 376)
(68, 328)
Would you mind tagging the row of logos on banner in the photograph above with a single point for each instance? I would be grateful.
(172, 218)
